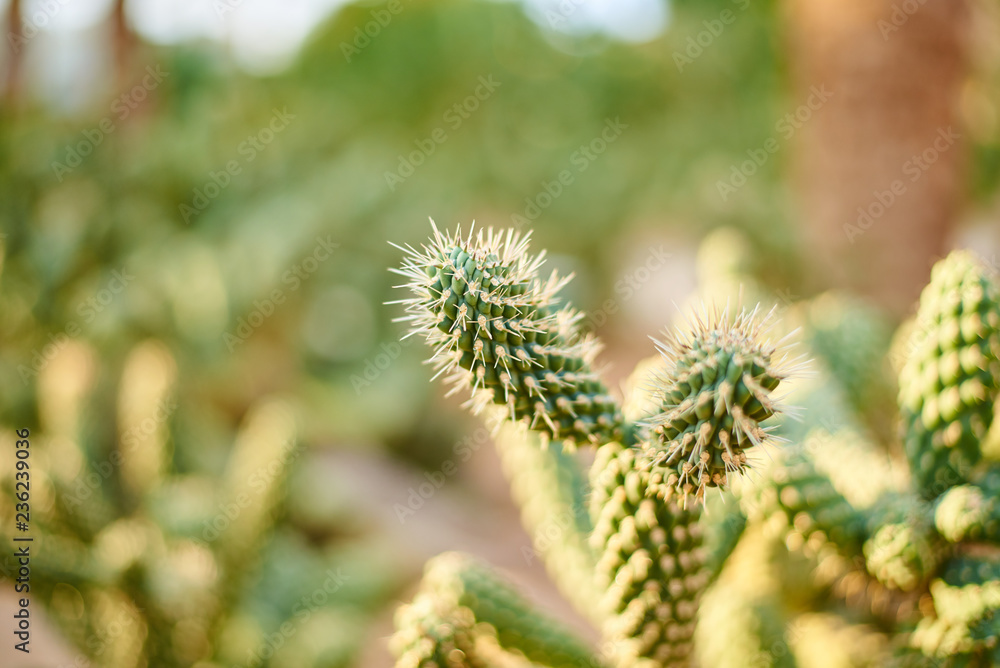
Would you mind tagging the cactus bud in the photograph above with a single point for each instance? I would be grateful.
(970, 512)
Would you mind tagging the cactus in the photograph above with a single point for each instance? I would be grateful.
(852, 541)
(636, 564)
(494, 328)
(951, 377)
(462, 603)
(927, 565)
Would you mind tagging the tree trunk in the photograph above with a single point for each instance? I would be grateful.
(16, 43)
(123, 41)
(879, 168)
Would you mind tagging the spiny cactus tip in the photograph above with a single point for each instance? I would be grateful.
(715, 390)
(494, 327)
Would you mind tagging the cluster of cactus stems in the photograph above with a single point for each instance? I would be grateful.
(899, 555)
(640, 565)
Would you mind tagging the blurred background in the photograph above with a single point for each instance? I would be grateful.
(236, 460)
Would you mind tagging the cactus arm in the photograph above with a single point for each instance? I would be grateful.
(712, 393)
(904, 550)
(551, 490)
(651, 564)
(464, 611)
(970, 512)
(963, 628)
(724, 525)
(794, 498)
(266, 442)
(951, 377)
(753, 628)
(495, 329)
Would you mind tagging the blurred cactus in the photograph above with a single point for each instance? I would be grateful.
(463, 605)
(142, 564)
(918, 555)
(496, 328)
(951, 377)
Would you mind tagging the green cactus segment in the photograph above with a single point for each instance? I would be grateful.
(970, 512)
(714, 393)
(839, 444)
(434, 634)
(852, 337)
(857, 467)
(737, 629)
(724, 524)
(461, 606)
(964, 571)
(495, 328)
(550, 488)
(651, 565)
(905, 554)
(966, 628)
(950, 379)
(793, 498)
